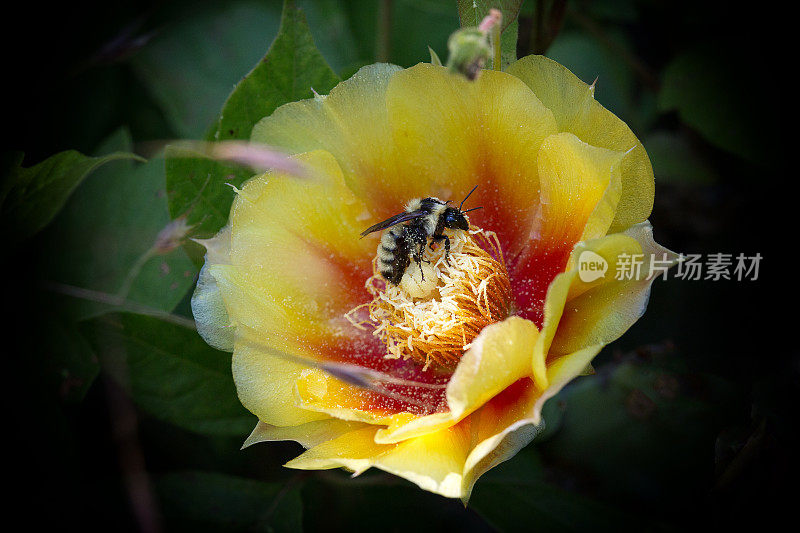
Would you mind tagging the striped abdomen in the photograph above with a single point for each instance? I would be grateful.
(393, 254)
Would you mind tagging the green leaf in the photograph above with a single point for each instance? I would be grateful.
(508, 44)
(414, 26)
(335, 501)
(717, 100)
(104, 235)
(638, 431)
(535, 505)
(200, 187)
(333, 36)
(31, 197)
(208, 500)
(170, 372)
(515, 496)
(191, 65)
(69, 363)
(472, 12)
(289, 71)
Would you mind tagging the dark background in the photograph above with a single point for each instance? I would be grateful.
(688, 423)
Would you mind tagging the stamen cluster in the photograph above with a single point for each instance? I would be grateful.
(471, 291)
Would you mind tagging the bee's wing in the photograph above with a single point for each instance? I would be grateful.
(393, 220)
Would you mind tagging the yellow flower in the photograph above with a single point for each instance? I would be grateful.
(557, 175)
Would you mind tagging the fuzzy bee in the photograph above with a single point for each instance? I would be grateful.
(424, 218)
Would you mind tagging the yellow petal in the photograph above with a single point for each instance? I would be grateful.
(265, 383)
(294, 267)
(434, 461)
(609, 249)
(503, 428)
(300, 237)
(351, 123)
(499, 429)
(319, 391)
(579, 191)
(452, 134)
(424, 132)
(446, 461)
(295, 264)
(498, 357)
(576, 111)
(309, 434)
(580, 188)
(208, 306)
(601, 313)
(355, 450)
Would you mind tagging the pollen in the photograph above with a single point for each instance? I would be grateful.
(441, 305)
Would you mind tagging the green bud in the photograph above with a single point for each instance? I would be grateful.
(469, 49)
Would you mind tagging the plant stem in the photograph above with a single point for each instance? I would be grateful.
(383, 41)
(496, 47)
(115, 300)
(133, 273)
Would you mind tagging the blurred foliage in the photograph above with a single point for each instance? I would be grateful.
(191, 68)
(292, 69)
(170, 372)
(31, 197)
(207, 500)
(107, 230)
(517, 494)
(676, 435)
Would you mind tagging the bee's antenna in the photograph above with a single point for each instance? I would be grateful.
(473, 209)
(465, 198)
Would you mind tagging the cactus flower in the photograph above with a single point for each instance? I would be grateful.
(435, 381)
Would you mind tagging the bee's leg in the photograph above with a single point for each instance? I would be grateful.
(419, 258)
(446, 239)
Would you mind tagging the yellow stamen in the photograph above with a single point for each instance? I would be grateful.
(436, 319)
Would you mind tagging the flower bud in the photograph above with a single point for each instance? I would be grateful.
(469, 49)
(171, 236)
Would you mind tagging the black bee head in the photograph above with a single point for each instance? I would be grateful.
(455, 219)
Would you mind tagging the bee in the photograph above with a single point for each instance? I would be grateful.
(424, 218)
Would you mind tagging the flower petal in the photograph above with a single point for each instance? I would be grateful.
(580, 314)
(601, 313)
(295, 267)
(378, 125)
(208, 307)
(446, 461)
(511, 421)
(576, 111)
(296, 264)
(265, 384)
(355, 450)
(452, 134)
(579, 194)
(609, 248)
(351, 123)
(309, 434)
(300, 237)
(319, 391)
(434, 461)
(579, 191)
(498, 357)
